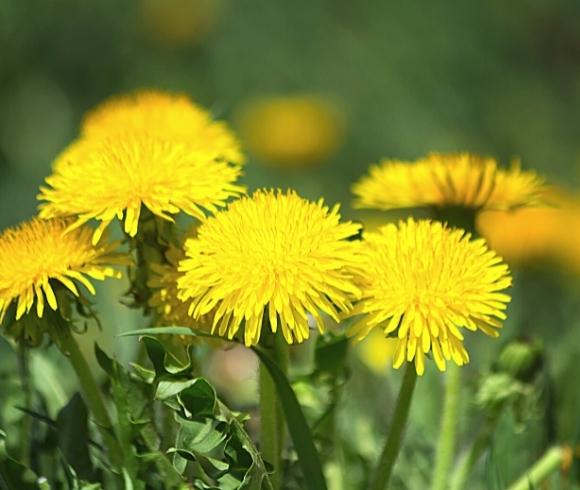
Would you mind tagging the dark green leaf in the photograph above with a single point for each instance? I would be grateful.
(330, 354)
(15, 476)
(73, 436)
(199, 398)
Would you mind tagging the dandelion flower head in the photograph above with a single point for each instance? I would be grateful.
(444, 180)
(172, 117)
(273, 256)
(527, 235)
(37, 255)
(113, 177)
(423, 283)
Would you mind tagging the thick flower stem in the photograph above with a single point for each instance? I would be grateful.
(395, 437)
(271, 415)
(547, 464)
(448, 432)
(91, 392)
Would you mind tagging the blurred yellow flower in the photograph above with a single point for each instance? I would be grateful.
(444, 180)
(164, 299)
(114, 176)
(166, 116)
(291, 130)
(526, 235)
(376, 351)
(273, 252)
(37, 256)
(176, 23)
(423, 282)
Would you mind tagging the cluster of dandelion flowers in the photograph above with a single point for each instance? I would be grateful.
(443, 180)
(172, 117)
(39, 255)
(423, 283)
(273, 256)
(113, 177)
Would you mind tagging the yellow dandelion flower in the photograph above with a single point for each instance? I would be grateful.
(422, 283)
(291, 130)
(534, 234)
(444, 180)
(37, 255)
(168, 116)
(177, 23)
(115, 176)
(273, 252)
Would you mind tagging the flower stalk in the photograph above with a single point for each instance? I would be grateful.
(395, 437)
(448, 434)
(91, 393)
(552, 459)
(271, 414)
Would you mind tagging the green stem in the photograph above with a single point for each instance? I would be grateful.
(26, 427)
(548, 463)
(448, 432)
(395, 437)
(467, 463)
(271, 415)
(90, 391)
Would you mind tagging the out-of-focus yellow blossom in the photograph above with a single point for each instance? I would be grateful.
(38, 255)
(166, 116)
(448, 180)
(291, 130)
(170, 309)
(273, 254)
(423, 282)
(526, 235)
(377, 351)
(177, 23)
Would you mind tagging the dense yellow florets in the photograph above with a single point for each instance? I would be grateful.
(37, 255)
(115, 176)
(444, 180)
(423, 283)
(271, 254)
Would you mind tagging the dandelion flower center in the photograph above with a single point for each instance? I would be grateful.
(37, 252)
(275, 252)
(423, 283)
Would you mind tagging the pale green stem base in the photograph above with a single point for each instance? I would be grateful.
(548, 463)
(91, 392)
(466, 464)
(395, 437)
(271, 414)
(446, 444)
(26, 427)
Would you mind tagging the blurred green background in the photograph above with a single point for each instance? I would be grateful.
(495, 77)
(500, 78)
